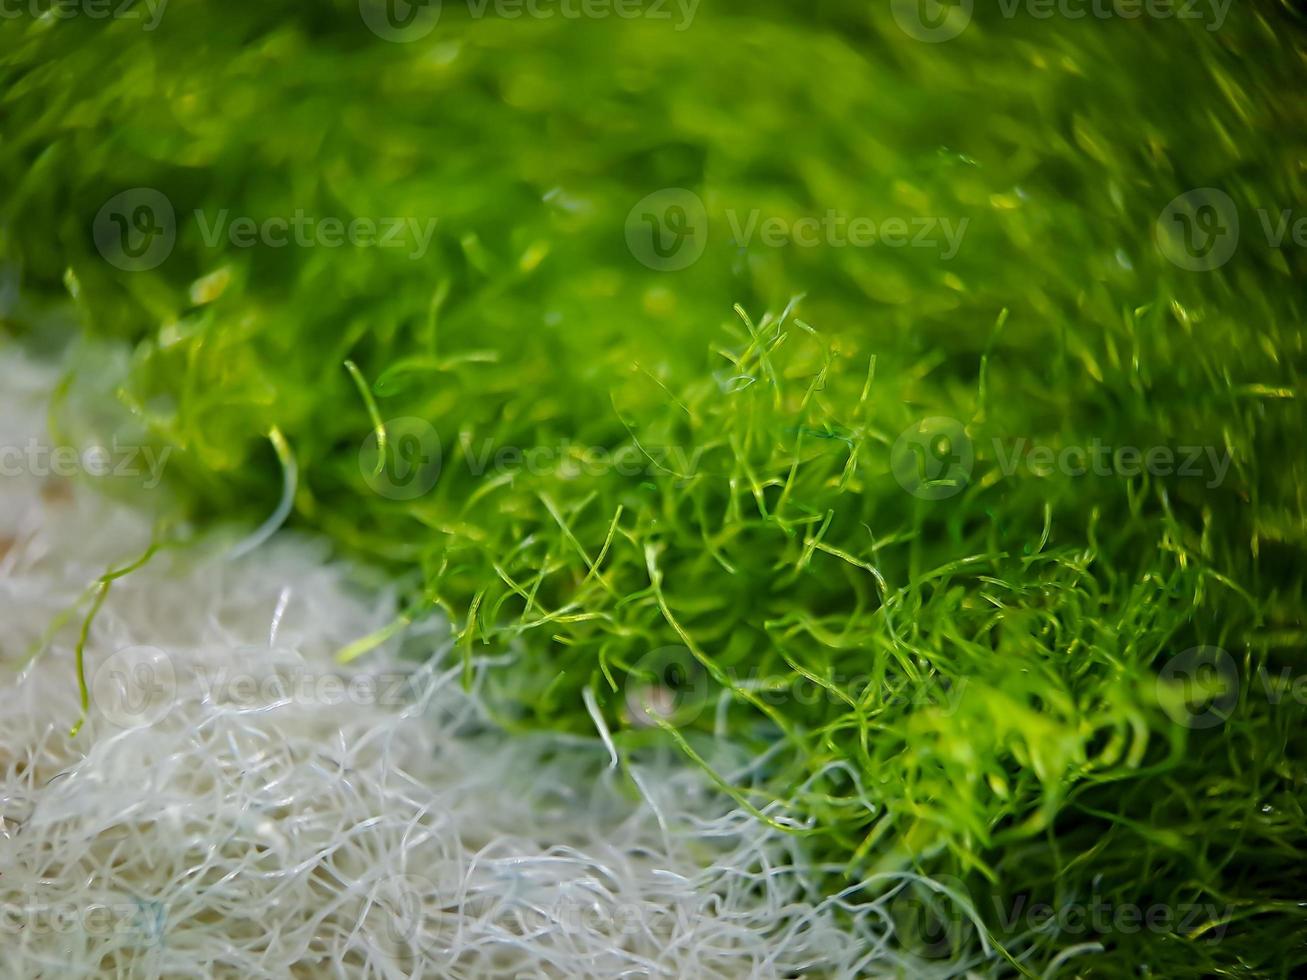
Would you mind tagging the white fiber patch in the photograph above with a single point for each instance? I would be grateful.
(237, 805)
